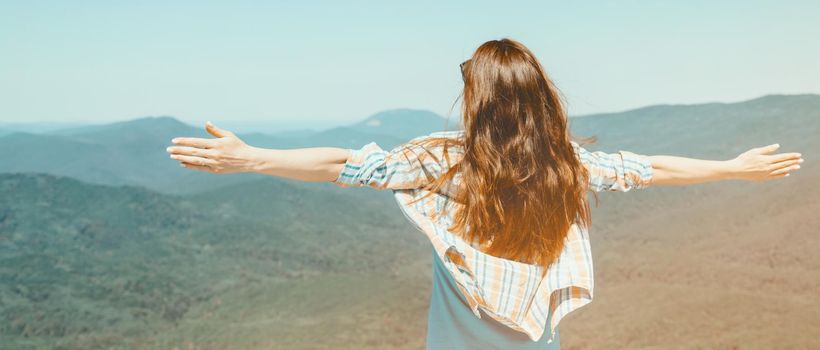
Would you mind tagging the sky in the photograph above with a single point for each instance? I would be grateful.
(318, 64)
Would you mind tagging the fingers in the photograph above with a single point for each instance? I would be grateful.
(218, 132)
(194, 160)
(194, 142)
(785, 170)
(191, 151)
(786, 163)
(776, 158)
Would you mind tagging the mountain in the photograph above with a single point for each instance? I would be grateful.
(25, 152)
(694, 263)
(405, 123)
(720, 130)
(266, 263)
(388, 129)
(123, 153)
(133, 152)
(293, 133)
(131, 132)
(89, 266)
(345, 137)
(37, 127)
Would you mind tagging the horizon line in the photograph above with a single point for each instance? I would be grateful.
(667, 104)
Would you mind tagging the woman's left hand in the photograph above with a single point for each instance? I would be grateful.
(224, 155)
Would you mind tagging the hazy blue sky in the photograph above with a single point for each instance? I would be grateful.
(313, 63)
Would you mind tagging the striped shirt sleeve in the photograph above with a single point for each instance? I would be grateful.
(620, 171)
(399, 168)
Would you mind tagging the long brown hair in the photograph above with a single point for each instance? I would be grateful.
(522, 185)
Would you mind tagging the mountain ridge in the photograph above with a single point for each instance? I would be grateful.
(133, 152)
(136, 264)
(769, 98)
(390, 115)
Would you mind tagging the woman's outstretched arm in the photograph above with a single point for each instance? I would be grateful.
(228, 154)
(757, 164)
(370, 165)
(315, 164)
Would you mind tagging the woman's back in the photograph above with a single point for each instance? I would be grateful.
(503, 296)
(451, 324)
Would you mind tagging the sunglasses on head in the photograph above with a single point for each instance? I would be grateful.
(461, 66)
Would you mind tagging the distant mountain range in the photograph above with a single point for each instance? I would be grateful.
(36, 127)
(133, 152)
(180, 259)
(718, 130)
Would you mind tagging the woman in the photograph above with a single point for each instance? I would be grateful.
(503, 202)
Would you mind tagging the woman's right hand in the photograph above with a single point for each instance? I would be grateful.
(758, 164)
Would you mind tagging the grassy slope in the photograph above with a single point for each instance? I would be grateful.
(88, 266)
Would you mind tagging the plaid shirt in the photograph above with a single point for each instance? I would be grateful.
(511, 292)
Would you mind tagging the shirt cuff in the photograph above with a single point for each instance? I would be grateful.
(637, 169)
(352, 174)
